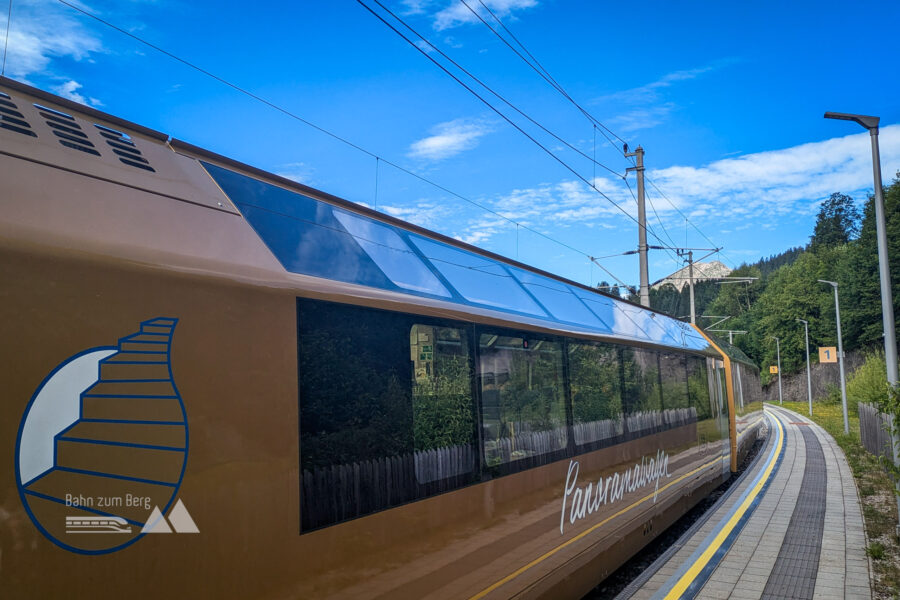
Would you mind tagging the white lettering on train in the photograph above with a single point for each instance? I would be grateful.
(589, 498)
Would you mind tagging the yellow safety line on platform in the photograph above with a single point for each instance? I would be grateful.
(581, 535)
(679, 588)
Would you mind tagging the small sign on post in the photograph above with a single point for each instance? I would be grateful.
(828, 354)
(773, 370)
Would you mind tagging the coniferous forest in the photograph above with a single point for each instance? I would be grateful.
(842, 248)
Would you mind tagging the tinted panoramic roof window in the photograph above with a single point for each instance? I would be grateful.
(600, 305)
(643, 321)
(478, 279)
(559, 299)
(316, 238)
(391, 254)
(302, 232)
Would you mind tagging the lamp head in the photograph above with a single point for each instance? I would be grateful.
(866, 121)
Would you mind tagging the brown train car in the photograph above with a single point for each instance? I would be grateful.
(223, 384)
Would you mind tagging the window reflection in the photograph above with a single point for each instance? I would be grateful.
(386, 410)
(476, 278)
(522, 393)
(596, 387)
(443, 425)
(391, 254)
(673, 370)
(641, 380)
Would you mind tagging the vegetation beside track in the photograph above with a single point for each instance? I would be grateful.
(876, 493)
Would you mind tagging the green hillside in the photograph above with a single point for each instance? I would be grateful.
(842, 248)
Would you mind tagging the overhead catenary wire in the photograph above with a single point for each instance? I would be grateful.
(486, 87)
(545, 74)
(648, 228)
(688, 221)
(6, 43)
(320, 129)
(538, 68)
(663, 227)
(659, 220)
(499, 113)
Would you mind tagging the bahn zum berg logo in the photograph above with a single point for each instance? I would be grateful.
(103, 443)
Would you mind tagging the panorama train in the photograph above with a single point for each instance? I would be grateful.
(221, 383)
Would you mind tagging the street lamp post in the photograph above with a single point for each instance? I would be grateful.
(837, 313)
(778, 352)
(808, 375)
(887, 302)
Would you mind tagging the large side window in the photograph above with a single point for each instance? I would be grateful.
(673, 371)
(596, 388)
(698, 387)
(677, 408)
(443, 421)
(385, 410)
(641, 383)
(522, 395)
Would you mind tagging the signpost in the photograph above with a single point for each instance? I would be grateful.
(828, 354)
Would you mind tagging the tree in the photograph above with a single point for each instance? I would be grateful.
(608, 288)
(665, 298)
(859, 279)
(734, 299)
(793, 292)
(836, 224)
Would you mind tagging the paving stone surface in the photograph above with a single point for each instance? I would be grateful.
(794, 572)
(806, 538)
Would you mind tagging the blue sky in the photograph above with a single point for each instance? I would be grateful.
(726, 99)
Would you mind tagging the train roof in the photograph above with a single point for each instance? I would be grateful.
(312, 234)
(735, 353)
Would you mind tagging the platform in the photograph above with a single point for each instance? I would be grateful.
(790, 528)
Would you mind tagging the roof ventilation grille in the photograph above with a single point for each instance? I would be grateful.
(11, 118)
(67, 129)
(124, 148)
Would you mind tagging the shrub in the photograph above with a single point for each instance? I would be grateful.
(868, 383)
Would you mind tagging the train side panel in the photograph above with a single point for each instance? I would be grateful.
(234, 361)
(153, 428)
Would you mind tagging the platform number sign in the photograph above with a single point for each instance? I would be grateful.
(828, 354)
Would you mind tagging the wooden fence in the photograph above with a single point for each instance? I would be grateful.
(658, 420)
(339, 492)
(595, 431)
(874, 428)
(440, 463)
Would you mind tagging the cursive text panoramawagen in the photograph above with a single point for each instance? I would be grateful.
(589, 498)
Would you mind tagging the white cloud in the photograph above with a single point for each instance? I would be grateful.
(550, 207)
(753, 191)
(456, 13)
(415, 7)
(41, 32)
(296, 171)
(646, 106)
(649, 92)
(449, 139)
(69, 90)
(643, 118)
(424, 214)
(424, 46)
(773, 184)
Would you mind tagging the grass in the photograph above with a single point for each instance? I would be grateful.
(876, 493)
(876, 550)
